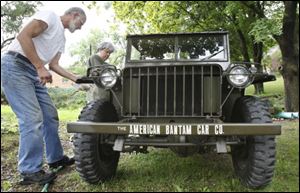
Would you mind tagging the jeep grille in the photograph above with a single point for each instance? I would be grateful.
(172, 91)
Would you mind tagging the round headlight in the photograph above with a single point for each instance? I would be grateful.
(239, 76)
(108, 78)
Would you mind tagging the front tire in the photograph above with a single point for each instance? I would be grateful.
(254, 161)
(94, 160)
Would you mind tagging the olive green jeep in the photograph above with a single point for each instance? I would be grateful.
(179, 91)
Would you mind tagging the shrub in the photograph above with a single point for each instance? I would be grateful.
(69, 98)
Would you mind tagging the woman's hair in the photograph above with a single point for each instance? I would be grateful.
(106, 45)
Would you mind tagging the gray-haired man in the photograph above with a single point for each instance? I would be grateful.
(23, 79)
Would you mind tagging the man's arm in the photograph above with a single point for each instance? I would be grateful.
(54, 66)
(33, 29)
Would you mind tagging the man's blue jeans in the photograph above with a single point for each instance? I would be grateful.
(37, 116)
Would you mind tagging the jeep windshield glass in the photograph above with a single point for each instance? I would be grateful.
(199, 47)
(153, 48)
(203, 48)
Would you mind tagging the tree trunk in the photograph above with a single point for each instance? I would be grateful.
(243, 46)
(289, 46)
(290, 74)
(257, 57)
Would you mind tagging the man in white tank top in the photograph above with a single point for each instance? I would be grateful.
(23, 79)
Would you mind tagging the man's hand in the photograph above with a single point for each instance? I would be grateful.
(44, 75)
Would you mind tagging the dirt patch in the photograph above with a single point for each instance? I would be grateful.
(10, 177)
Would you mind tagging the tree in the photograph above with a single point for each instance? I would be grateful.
(12, 16)
(287, 37)
(289, 45)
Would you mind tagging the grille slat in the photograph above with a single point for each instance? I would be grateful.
(156, 92)
(130, 93)
(193, 89)
(183, 92)
(211, 90)
(148, 92)
(202, 88)
(174, 101)
(139, 90)
(172, 91)
(166, 90)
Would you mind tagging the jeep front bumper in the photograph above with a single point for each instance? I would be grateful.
(225, 129)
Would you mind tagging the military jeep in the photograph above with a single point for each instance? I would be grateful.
(179, 91)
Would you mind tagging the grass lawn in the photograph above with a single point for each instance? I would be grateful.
(270, 88)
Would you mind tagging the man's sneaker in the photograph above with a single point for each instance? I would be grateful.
(40, 177)
(65, 161)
